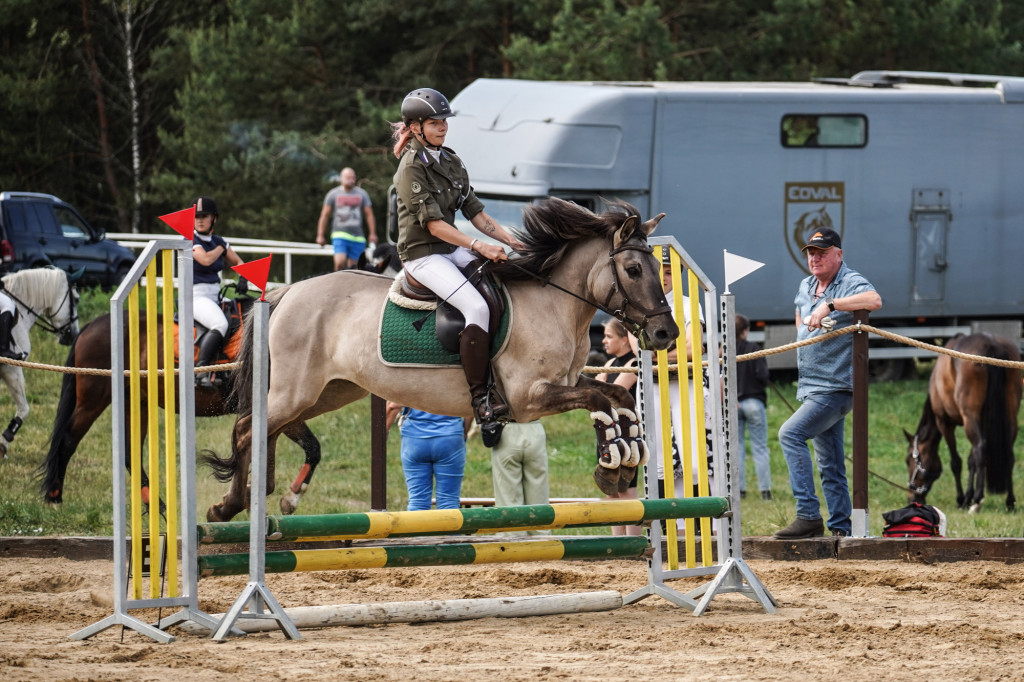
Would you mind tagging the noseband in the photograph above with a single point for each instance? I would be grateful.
(922, 489)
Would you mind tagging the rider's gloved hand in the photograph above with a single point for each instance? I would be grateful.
(242, 287)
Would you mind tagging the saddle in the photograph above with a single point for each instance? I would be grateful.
(449, 322)
(233, 309)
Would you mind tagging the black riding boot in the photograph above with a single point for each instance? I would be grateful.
(474, 347)
(209, 347)
(6, 325)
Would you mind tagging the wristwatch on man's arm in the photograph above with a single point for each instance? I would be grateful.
(831, 304)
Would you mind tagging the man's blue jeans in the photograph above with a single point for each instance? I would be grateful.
(753, 419)
(425, 460)
(821, 418)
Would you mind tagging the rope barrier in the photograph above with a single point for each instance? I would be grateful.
(906, 340)
(591, 369)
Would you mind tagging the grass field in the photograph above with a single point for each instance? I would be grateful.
(342, 481)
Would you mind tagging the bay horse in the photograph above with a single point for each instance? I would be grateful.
(323, 341)
(46, 296)
(982, 398)
(84, 397)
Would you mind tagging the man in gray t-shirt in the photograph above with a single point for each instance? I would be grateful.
(347, 206)
(825, 387)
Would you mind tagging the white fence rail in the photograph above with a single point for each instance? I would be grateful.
(263, 247)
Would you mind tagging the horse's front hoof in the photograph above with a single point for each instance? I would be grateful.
(974, 508)
(626, 476)
(290, 502)
(607, 480)
(216, 513)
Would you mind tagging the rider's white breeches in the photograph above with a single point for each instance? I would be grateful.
(206, 307)
(440, 273)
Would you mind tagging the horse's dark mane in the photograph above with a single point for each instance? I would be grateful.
(927, 430)
(551, 227)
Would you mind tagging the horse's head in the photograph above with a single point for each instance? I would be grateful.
(637, 292)
(923, 465)
(384, 261)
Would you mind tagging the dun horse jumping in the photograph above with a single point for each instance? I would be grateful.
(982, 398)
(324, 333)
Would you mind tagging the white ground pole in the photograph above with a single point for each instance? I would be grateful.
(188, 599)
(256, 594)
(731, 574)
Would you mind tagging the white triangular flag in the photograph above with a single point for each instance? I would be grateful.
(738, 267)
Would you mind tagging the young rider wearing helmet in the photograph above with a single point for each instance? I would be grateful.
(432, 184)
(210, 253)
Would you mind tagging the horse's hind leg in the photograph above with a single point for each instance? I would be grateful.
(14, 377)
(310, 445)
(237, 497)
(975, 492)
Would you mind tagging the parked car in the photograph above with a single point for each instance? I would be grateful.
(39, 229)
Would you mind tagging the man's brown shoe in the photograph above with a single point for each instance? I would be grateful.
(801, 528)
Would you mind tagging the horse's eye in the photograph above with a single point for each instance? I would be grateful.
(633, 271)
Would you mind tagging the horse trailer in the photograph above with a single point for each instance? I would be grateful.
(921, 173)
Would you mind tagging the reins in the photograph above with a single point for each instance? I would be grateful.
(637, 328)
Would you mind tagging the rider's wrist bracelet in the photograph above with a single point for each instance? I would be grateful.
(471, 244)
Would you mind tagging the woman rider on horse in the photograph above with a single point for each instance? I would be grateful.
(432, 183)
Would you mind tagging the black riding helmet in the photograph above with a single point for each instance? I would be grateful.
(425, 103)
(205, 205)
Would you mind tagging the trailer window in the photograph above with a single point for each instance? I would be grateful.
(824, 130)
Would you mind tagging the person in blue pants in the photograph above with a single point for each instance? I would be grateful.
(433, 453)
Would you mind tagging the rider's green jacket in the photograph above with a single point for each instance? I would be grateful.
(430, 189)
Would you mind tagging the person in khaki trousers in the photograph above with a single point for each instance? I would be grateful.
(519, 467)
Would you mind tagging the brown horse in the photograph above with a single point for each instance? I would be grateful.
(84, 397)
(982, 398)
(323, 341)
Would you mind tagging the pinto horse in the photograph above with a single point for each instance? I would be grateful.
(84, 397)
(46, 296)
(323, 342)
(982, 398)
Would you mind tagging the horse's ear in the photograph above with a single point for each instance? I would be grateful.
(648, 227)
(76, 275)
(626, 230)
(910, 439)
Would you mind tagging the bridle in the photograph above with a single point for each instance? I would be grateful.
(65, 331)
(620, 313)
(922, 489)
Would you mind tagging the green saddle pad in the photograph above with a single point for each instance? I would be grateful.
(401, 344)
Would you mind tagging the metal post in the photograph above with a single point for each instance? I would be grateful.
(859, 518)
(256, 594)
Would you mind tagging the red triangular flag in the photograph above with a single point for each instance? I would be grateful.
(256, 272)
(183, 222)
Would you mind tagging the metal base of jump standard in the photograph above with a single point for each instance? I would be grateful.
(256, 596)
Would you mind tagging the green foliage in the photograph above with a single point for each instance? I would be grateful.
(260, 103)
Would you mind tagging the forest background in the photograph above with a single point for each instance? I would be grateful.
(128, 109)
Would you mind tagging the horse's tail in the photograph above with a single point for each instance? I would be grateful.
(998, 455)
(241, 390)
(241, 387)
(61, 439)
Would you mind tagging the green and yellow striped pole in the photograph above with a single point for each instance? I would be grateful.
(428, 555)
(477, 520)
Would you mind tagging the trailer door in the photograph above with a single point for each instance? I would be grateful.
(930, 218)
